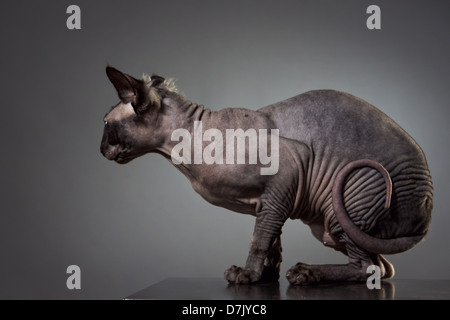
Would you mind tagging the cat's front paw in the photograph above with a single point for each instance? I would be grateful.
(303, 274)
(242, 276)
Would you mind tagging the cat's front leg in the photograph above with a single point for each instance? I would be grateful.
(264, 259)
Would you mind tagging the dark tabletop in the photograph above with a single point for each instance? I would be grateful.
(219, 289)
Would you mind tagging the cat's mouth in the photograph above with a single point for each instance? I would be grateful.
(120, 158)
(125, 155)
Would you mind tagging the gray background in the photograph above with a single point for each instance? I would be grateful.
(130, 226)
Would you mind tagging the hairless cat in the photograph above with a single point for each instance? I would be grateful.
(344, 168)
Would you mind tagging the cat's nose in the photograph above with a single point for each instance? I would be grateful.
(107, 150)
(109, 153)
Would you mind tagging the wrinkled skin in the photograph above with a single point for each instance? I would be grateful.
(320, 133)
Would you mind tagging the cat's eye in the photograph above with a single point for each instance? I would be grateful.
(105, 122)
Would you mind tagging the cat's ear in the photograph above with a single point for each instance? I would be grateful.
(156, 80)
(126, 86)
(129, 89)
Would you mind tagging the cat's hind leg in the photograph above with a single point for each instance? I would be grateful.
(354, 270)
